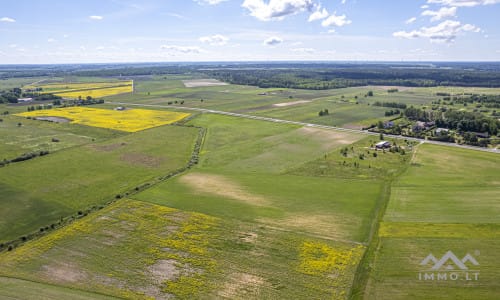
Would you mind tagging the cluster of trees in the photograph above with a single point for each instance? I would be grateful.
(324, 112)
(462, 121)
(391, 112)
(10, 96)
(390, 104)
(25, 156)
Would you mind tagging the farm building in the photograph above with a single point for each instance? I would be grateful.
(383, 145)
(24, 100)
(441, 131)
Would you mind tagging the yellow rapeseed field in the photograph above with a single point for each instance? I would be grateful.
(94, 90)
(130, 120)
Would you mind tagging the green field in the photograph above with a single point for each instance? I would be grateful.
(45, 189)
(447, 200)
(265, 211)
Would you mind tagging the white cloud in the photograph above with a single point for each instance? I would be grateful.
(410, 20)
(424, 6)
(273, 41)
(277, 9)
(303, 50)
(446, 31)
(181, 49)
(318, 15)
(51, 40)
(96, 17)
(100, 48)
(464, 3)
(209, 2)
(335, 20)
(214, 40)
(7, 19)
(442, 13)
(344, 1)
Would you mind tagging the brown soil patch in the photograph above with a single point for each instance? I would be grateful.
(202, 83)
(64, 272)
(242, 285)
(221, 186)
(54, 119)
(164, 270)
(328, 137)
(142, 159)
(324, 225)
(388, 87)
(285, 104)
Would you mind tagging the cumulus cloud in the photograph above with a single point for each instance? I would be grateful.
(446, 31)
(318, 15)
(209, 2)
(443, 13)
(277, 9)
(464, 3)
(96, 18)
(214, 40)
(273, 41)
(335, 20)
(181, 49)
(7, 19)
(410, 20)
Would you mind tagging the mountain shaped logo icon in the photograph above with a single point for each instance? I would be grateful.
(449, 261)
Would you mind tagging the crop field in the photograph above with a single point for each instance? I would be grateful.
(447, 200)
(38, 192)
(130, 120)
(132, 204)
(84, 89)
(34, 136)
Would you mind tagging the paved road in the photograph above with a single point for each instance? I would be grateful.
(274, 120)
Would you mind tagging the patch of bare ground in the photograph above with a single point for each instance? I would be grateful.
(108, 148)
(329, 138)
(242, 286)
(324, 225)
(142, 159)
(64, 272)
(164, 270)
(353, 126)
(218, 185)
(202, 83)
(388, 87)
(285, 104)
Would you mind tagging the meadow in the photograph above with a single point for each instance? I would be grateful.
(265, 211)
(129, 120)
(447, 200)
(45, 189)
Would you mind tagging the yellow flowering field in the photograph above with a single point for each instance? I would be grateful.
(339, 263)
(94, 90)
(130, 249)
(131, 120)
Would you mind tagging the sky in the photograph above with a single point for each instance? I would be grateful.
(104, 31)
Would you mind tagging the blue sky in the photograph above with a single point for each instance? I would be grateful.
(61, 31)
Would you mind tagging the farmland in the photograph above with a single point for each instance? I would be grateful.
(128, 204)
(75, 90)
(128, 120)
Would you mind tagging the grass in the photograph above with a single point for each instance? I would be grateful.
(39, 192)
(35, 136)
(130, 120)
(447, 185)
(13, 288)
(141, 250)
(445, 201)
